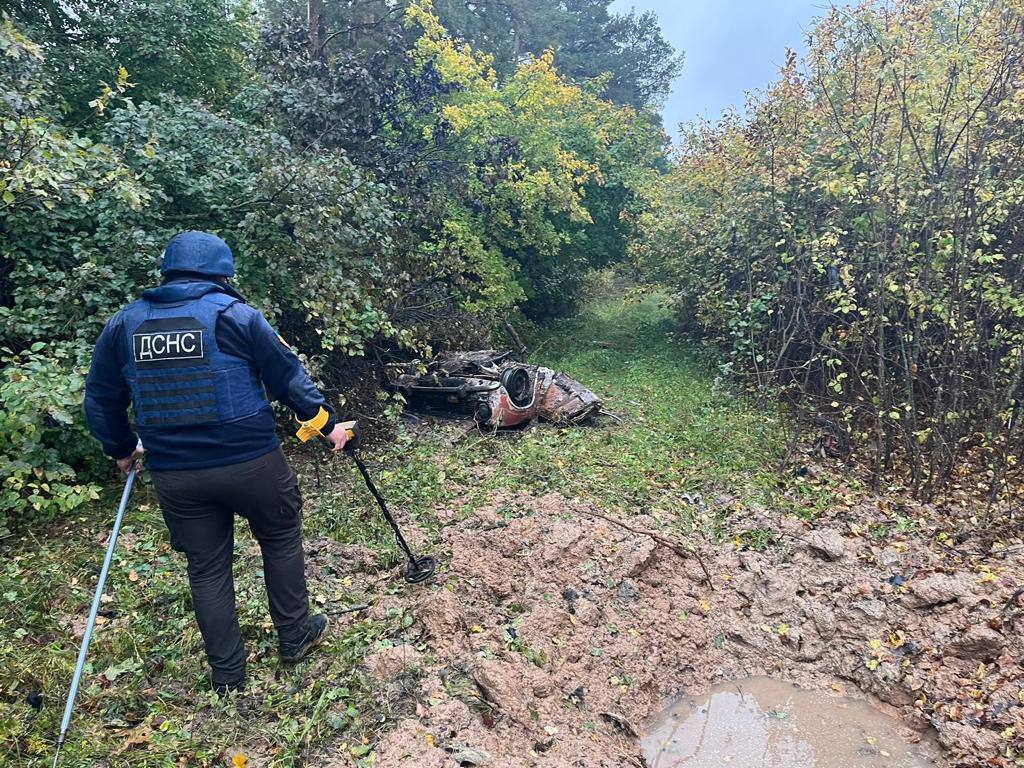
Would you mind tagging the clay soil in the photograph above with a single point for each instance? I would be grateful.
(550, 635)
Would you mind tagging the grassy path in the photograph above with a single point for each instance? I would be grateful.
(146, 703)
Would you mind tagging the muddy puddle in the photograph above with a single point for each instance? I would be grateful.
(767, 723)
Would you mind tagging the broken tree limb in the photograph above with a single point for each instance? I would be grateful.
(515, 337)
(675, 546)
(353, 609)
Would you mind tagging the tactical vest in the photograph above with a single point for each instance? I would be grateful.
(177, 373)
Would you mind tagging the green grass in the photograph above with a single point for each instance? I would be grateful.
(683, 447)
(679, 432)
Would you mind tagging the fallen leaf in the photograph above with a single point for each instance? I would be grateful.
(132, 741)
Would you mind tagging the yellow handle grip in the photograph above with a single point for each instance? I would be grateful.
(309, 429)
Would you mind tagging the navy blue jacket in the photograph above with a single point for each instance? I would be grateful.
(241, 331)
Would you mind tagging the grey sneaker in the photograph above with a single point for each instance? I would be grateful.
(316, 631)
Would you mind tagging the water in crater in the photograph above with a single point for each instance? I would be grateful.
(762, 722)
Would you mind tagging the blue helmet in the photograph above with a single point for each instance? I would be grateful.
(200, 252)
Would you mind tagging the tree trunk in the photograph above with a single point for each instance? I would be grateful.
(314, 21)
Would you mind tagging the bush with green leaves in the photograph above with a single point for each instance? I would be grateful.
(42, 440)
(858, 238)
(58, 192)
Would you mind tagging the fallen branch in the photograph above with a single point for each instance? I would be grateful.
(515, 338)
(353, 609)
(1010, 609)
(675, 546)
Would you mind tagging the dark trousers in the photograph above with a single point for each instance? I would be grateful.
(199, 507)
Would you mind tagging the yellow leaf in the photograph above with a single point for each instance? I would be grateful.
(239, 760)
(476, 629)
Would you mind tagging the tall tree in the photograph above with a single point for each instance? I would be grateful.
(193, 48)
(589, 42)
(587, 39)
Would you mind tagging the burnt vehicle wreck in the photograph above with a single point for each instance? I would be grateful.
(495, 390)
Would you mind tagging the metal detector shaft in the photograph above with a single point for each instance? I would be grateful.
(91, 624)
(419, 569)
(383, 506)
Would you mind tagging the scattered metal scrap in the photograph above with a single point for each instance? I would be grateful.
(495, 390)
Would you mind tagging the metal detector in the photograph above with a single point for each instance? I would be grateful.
(418, 569)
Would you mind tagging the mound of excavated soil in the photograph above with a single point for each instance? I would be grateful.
(551, 635)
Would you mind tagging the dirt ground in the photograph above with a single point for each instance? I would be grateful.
(550, 634)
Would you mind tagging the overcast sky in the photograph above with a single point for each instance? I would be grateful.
(730, 47)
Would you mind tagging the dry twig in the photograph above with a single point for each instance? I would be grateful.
(675, 546)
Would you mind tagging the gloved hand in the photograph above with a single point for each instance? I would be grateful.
(126, 463)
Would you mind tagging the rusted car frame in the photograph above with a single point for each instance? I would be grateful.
(496, 391)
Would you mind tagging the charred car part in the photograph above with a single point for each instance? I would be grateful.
(495, 391)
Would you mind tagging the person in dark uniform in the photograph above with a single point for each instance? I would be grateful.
(197, 364)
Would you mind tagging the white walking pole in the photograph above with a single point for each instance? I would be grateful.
(70, 706)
